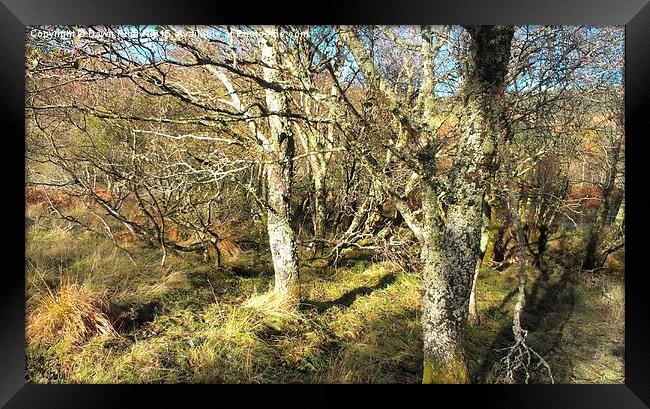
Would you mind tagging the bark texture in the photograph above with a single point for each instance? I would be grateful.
(279, 150)
(449, 260)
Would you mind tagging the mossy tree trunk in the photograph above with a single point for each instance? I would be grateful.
(447, 278)
(449, 255)
(450, 243)
(282, 238)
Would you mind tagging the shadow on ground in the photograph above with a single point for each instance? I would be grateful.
(550, 306)
(347, 299)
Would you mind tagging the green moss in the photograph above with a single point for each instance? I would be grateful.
(488, 147)
(451, 371)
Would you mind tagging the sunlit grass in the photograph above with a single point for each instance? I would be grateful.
(359, 323)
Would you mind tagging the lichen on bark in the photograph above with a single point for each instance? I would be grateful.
(279, 151)
(450, 252)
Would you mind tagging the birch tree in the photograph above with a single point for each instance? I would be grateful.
(231, 97)
(279, 148)
(449, 238)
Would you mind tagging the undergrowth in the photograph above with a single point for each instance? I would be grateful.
(190, 322)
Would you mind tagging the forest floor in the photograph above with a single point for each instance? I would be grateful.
(189, 322)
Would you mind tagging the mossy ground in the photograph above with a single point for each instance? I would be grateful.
(356, 324)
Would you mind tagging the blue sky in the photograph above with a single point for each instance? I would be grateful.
(152, 48)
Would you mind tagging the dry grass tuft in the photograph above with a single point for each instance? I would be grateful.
(176, 279)
(274, 311)
(269, 303)
(74, 314)
(229, 248)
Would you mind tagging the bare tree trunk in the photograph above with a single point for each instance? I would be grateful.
(473, 308)
(485, 238)
(599, 230)
(522, 276)
(320, 195)
(282, 238)
(280, 152)
(488, 255)
(520, 355)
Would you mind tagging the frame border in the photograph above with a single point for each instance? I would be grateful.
(15, 15)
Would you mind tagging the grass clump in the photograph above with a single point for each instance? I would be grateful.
(379, 336)
(72, 314)
(230, 349)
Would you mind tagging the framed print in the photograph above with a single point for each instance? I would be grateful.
(403, 193)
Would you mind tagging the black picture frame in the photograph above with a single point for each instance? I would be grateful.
(15, 15)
